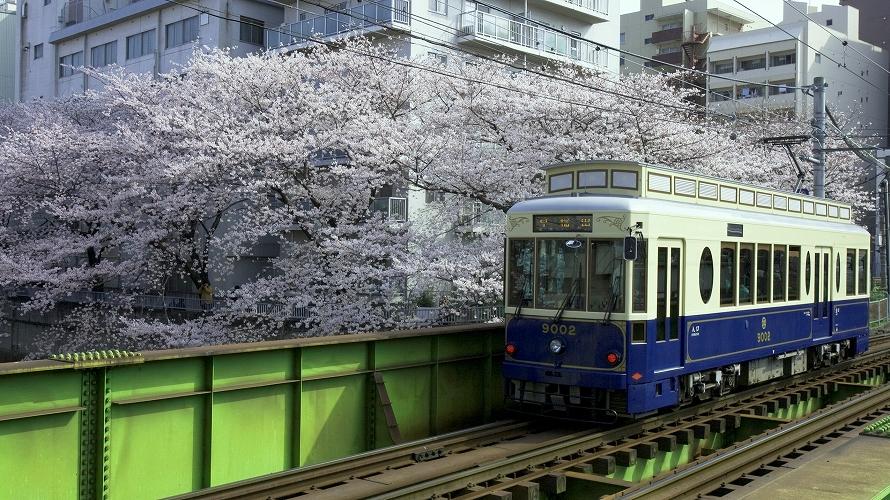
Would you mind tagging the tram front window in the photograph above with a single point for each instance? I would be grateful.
(521, 278)
(561, 274)
(606, 277)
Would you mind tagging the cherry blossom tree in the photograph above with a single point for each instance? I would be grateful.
(154, 181)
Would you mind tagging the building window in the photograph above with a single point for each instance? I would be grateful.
(103, 55)
(140, 44)
(38, 51)
(252, 31)
(47, 2)
(182, 32)
(650, 17)
(438, 58)
(69, 62)
(818, 58)
(721, 67)
(750, 91)
(621, 61)
(783, 59)
(647, 41)
(439, 6)
(782, 87)
(755, 63)
(829, 22)
(721, 94)
(622, 39)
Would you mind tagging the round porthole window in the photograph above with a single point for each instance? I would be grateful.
(706, 275)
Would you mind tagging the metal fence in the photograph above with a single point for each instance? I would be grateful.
(193, 303)
(879, 312)
(544, 41)
(331, 23)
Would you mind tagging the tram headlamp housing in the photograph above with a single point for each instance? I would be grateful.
(556, 346)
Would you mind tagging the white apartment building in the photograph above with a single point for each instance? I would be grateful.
(8, 35)
(157, 35)
(770, 55)
(139, 35)
(678, 32)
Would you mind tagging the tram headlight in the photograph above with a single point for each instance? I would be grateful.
(557, 346)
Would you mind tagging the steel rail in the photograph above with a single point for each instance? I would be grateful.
(336, 469)
(708, 473)
(579, 448)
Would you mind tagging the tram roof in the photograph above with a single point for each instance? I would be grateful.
(644, 180)
(583, 203)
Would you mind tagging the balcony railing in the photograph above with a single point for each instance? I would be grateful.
(367, 15)
(542, 41)
(598, 6)
(668, 35)
(78, 11)
(675, 58)
(395, 209)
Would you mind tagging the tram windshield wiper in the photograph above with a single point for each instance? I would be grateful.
(573, 245)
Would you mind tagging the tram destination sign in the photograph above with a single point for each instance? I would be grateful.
(563, 223)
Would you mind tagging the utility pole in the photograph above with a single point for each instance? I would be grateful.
(819, 136)
(886, 199)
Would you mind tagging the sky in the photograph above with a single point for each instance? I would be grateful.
(771, 9)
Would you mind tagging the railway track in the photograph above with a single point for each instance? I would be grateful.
(509, 458)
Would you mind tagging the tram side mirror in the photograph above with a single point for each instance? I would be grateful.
(630, 248)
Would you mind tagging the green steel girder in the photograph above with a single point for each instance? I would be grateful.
(168, 422)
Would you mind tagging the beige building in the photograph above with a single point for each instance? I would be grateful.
(791, 57)
(678, 32)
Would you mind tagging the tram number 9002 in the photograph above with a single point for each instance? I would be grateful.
(762, 337)
(558, 329)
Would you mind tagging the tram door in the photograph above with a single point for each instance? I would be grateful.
(821, 292)
(669, 305)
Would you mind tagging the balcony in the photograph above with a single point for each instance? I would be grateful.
(474, 217)
(394, 209)
(364, 19)
(675, 58)
(79, 16)
(668, 35)
(595, 11)
(490, 29)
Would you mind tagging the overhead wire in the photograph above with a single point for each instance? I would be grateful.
(840, 65)
(844, 43)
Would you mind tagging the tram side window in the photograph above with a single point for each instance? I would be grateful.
(661, 295)
(727, 274)
(521, 264)
(560, 274)
(779, 260)
(606, 276)
(675, 293)
(746, 272)
(837, 273)
(851, 272)
(639, 278)
(793, 273)
(863, 272)
(763, 275)
(808, 274)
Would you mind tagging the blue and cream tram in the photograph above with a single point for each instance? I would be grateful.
(633, 287)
